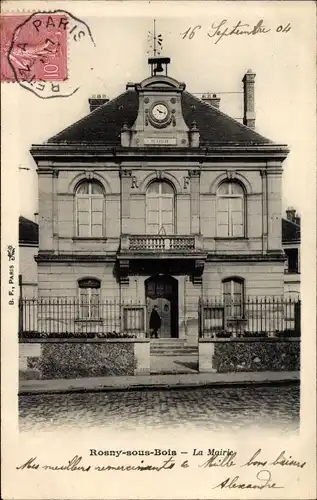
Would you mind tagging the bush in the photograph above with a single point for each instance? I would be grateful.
(288, 333)
(79, 335)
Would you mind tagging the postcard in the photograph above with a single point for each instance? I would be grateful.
(158, 250)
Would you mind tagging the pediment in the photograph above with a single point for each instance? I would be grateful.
(161, 82)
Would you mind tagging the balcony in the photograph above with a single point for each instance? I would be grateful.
(161, 243)
(161, 253)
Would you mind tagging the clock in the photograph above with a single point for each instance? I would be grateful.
(159, 115)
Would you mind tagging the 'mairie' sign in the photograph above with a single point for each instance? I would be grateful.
(160, 141)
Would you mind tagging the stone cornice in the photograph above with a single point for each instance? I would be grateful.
(86, 152)
(269, 257)
(50, 257)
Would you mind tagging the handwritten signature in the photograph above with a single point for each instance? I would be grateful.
(264, 476)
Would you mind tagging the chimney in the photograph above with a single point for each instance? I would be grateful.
(130, 86)
(97, 100)
(248, 99)
(297, 219)
(291, 214)
(194, 136)
(213, 100)
(36, 217)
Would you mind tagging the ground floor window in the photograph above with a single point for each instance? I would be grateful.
(89, 298)
(233, 297)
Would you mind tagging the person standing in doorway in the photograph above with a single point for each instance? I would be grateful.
(155, 322)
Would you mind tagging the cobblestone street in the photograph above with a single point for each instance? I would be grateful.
(240, 408)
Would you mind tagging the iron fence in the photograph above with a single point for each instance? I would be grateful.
(253, 316)
(67, 317)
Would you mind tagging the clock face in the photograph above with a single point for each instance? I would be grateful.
(160, 112)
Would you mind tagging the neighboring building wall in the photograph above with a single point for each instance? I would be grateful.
(28, 271)
(291, 238)
(28, 249)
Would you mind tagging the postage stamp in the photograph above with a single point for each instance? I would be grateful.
(39, 51)
(33, 47)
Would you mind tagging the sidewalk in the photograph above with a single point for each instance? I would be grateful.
(155, 382)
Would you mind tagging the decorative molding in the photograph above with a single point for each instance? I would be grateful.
(134, 182)
(198, 271)
(124, 266)
(186, 181)
(51, 257)
(155, 174)
(125, 173)
(89, 175)
(193, 173)
(231, 174)
(223, 177)
(276, 256)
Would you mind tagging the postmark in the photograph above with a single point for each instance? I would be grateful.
(41, 49)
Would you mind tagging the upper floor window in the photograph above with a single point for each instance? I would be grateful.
(233, 297)
(230, 210)
(90, 210)
(89, 298)
(160, 208)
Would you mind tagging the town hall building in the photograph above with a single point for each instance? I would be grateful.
(157, 197)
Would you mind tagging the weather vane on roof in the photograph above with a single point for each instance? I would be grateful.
(156, 45)
(155, 41)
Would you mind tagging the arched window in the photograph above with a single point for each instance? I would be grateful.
(160, 208)
(233, 297)
(230, 210)
(90, 210)
(89, 298)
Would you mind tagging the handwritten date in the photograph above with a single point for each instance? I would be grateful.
(221, 30)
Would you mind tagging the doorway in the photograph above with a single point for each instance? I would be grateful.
(162, 290)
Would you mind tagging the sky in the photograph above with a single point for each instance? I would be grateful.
(284, 63)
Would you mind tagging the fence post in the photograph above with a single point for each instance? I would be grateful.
(297, 313)
(20, 316)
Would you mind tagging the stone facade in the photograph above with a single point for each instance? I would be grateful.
(187, 160)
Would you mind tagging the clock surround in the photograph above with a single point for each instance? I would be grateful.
(159, 108)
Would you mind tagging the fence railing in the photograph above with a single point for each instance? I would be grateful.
(253, 316)
(64, 317)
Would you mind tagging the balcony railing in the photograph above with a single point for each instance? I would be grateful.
(161, 243)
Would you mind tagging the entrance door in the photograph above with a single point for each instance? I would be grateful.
(162, 291)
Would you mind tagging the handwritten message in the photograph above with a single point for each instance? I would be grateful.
(256, 472)
(218, 31)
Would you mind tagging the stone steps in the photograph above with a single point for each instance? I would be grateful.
(172, 347)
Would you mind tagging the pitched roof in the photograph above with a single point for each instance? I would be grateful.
(28, 231)
(290, 231)
(105, 123)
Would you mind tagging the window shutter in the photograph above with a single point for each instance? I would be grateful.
(222, 217)
(97, 217)
(237, 217)
(83, 222)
